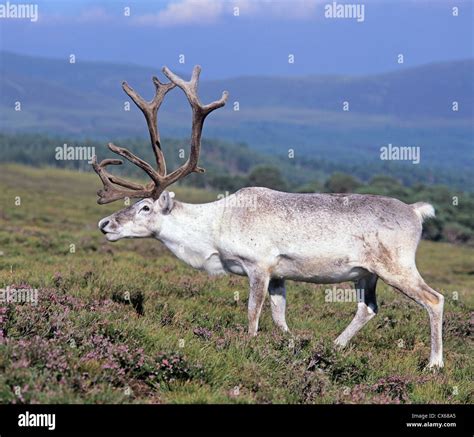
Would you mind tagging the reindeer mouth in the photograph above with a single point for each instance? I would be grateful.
(112, 236)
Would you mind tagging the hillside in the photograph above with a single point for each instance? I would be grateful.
(408, 107)
(130, 323)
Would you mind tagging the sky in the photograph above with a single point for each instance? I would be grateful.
(261, 37)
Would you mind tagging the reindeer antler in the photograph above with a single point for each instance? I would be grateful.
(160, 178)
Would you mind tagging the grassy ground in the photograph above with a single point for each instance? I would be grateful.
(127, 322)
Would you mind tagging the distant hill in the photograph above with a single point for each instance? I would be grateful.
(409, 107)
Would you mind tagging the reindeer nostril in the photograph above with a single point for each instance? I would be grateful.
(102, 225)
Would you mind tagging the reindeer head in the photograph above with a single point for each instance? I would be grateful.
(143, 219)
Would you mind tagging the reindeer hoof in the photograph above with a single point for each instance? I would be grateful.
(339, 344)
(434, 365)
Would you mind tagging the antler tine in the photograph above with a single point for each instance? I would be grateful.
(190, 88)
(149, 170)
(200, 112)
(108, 179)
(150, 111)
(110, 193)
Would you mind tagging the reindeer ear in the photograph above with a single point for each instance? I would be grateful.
(166, 202)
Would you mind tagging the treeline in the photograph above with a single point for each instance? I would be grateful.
(225, 161)
(233, 166)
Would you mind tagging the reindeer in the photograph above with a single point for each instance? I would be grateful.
(271, 236)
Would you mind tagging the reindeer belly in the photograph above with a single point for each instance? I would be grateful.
(320, 270)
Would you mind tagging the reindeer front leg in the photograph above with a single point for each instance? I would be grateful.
(258, 289)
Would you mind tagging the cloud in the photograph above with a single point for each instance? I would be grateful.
(87, 15)
(94, 15)
(289, 9)
(183, 12)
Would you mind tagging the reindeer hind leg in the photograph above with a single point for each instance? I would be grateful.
(409, 282)
(277, 291)
(366, 309)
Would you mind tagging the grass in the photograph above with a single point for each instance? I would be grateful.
(128, 322)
